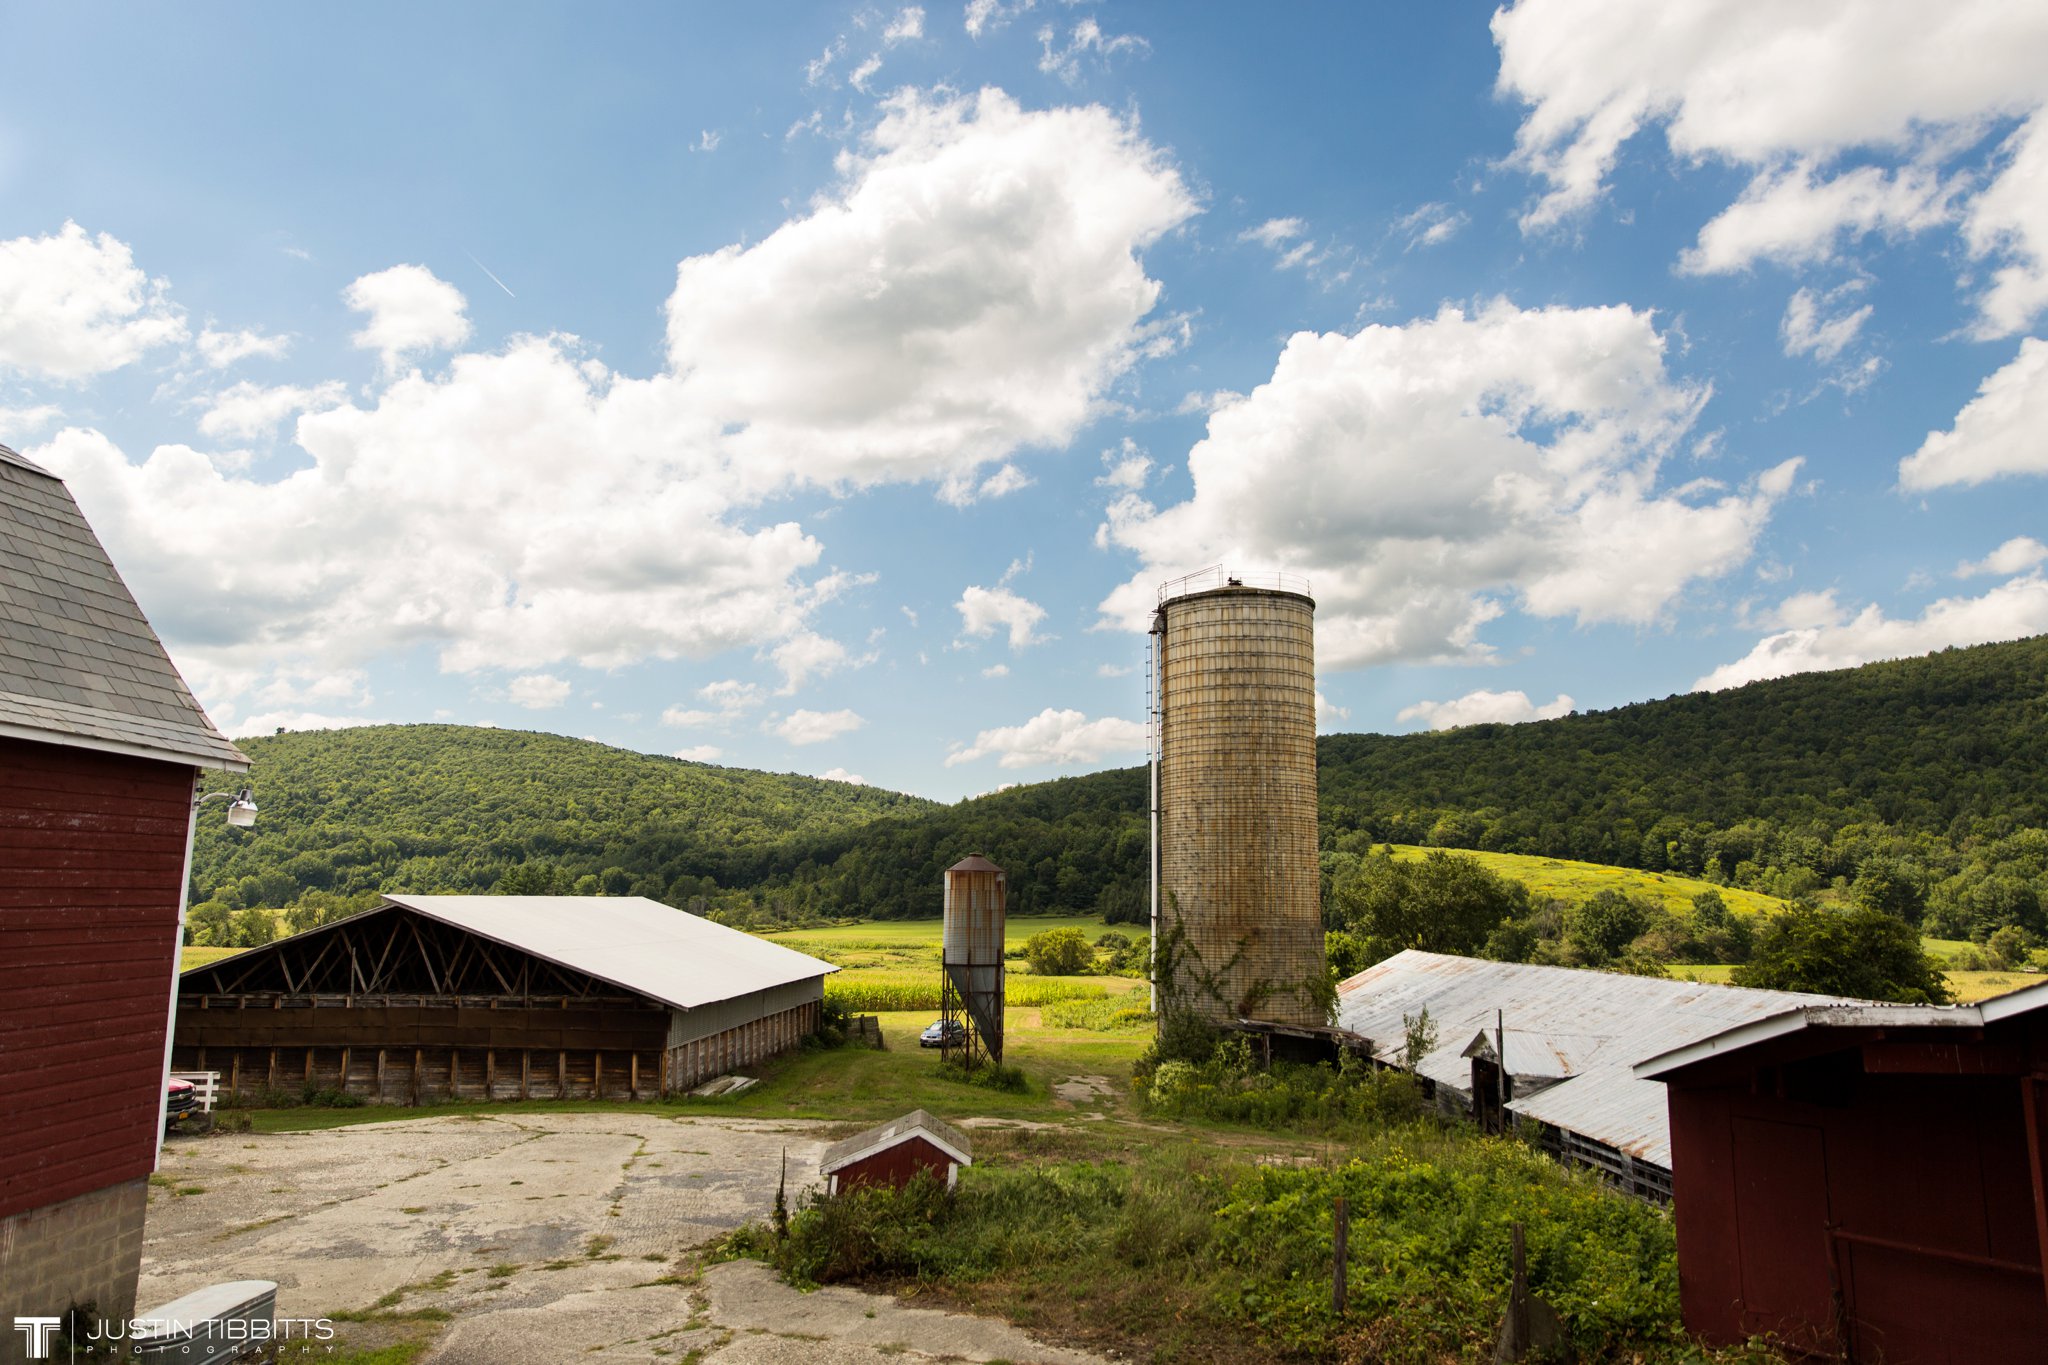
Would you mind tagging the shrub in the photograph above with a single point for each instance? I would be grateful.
(1059, 952)
(1103, 1014)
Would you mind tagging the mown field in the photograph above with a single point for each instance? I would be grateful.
(1564, 880)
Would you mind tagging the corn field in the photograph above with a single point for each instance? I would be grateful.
(874, 991)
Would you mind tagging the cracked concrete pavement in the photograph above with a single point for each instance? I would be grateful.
(543, 1236)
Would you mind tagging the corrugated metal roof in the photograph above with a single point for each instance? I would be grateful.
(652, 949)
(1598, 1025)
(916, 1123)
(78, 662)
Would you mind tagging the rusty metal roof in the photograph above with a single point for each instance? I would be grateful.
(79, 664)
(1590, 1028)
(974, 862)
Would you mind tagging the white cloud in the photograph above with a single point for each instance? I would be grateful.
(701, 753)
(2015, 556)
(1485, 708)
(16, 424)
(1273, 234)
(961, 490)
(1806, 332)
(1129, 467)
(270, 722)
(1998, 432)
(1115, 670)
(1790, 93)
(1328, 713)
(730, 699)
(1060, 738)
(987, 16)
(249, 411)
(73, 306)
(907, 26)
(841, 775)
(537, 691)
(1086, 45)
(2007, 612)
(815, 727)
(707, 141)
(984, 610)
(804, 656)
(222, 349)
(996, 671)
(1803, 610)
(861, 74)
(819, 69)
(411, 311)
(1431, 225)
(1425, 476)
(972, 288)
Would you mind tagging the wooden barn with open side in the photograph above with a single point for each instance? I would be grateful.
(430, 998)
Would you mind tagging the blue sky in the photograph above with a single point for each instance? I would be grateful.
(828, 391)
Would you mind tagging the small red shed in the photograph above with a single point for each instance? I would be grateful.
(1867, 1182)
(100, 746)
(894, 1153)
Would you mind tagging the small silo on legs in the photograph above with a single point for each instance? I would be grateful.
(1236, 915)
(972, 959)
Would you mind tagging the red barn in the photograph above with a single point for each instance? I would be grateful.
(1867, 1182)
(100, 747)
(894, 1153)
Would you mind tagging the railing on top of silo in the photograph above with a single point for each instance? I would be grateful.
(1215, 576)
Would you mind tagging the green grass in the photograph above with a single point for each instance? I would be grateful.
(1565, 880)
(1969, 987)
(188, 958)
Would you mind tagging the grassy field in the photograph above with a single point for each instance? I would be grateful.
(1562, 879)
(1969, 987)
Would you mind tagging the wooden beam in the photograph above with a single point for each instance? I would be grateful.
(525, 1072)
(597, 1075)
(633, 1076)
(380, 1075)
(2034, 1093)
(561, 1075)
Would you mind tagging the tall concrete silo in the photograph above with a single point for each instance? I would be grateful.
(971, 957)
(1236, 918)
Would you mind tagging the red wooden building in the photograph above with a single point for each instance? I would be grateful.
(100, 746)
(895, 1152)
(1867, 1183)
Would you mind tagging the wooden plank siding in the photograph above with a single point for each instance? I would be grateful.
(92, 859)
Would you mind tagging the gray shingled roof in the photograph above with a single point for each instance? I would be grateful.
(916, 1123)
(79, 663)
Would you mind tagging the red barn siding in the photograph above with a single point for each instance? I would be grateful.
(896, 1165)
(1914, 1198)
(92, 861)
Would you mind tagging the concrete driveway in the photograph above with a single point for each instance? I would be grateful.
(546, 1237)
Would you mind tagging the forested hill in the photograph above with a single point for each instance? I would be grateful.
(453, 808)
(1917, 786)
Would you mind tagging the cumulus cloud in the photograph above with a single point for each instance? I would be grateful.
(841, 775)
(1426, 476)
(728, 699)
(815, 727)
(538, 691)
(2015, 556)
(807, 655)
(985, 610)
(907, 26)
(222, 349)
(73, 305)
(249, 411)
(2007, 612)
(17, 424)
(1791, 93)
(987, 16)
(1999, 432)
(1807, 332)
(972, 288)
(270, 722)
(701, 753)
(996, 671)
(1485, 708)
(1802, 610)
(1328, 713)
(1056, 738)
(1128, 467)
(969, 289)
(411, 311)
(1274, 234)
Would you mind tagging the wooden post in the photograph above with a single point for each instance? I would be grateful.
(419, 1057)
(561, 1075)
(1340, 1270)
(309, 1066)
(380, 1075)
(664, 1072)
(491, 1069)
(633, 1076)
(235, 1073)
(1514, 1344)
(525, 1072)
(597, 1075)
(2034, 1103)
(454, 1074)
(343, 1085)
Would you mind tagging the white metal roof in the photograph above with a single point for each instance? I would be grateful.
(1590, 1027)
(652, 949)
(917, 1123)
(2023, 1001)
